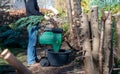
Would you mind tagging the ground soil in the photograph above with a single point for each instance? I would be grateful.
(71, 68)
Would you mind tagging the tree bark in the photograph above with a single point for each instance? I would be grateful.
(107, 43)
(103, 18)
(89, 68)
(70, 18)
(117, 23)
(76, 8)
(95, 36)
(77, 23)
(95, 32)
(74, 12)
(12, 60)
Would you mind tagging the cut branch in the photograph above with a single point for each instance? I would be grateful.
(101, 43)
(89, 68)
(95, 37)
(95, 31)
(117, 22)
(107, 43)
(70, 18)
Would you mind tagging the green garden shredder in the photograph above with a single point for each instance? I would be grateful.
(50, 36)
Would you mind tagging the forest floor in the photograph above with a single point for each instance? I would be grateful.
(70, 68)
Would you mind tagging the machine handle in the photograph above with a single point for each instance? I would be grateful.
(54, 30)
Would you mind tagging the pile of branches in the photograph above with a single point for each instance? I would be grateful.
(9, 17)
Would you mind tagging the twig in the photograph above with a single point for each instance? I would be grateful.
(116, 69)
(71, 47)
(101, 44)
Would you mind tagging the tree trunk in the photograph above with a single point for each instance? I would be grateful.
(76, 8)
(107, 43)
(89, 68)
(70, 18)
(103, 18)
(95, 37)
(77, 23)
(74, 12)
(117, 22)
(95, 32)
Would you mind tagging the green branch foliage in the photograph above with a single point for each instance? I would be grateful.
(26, 21)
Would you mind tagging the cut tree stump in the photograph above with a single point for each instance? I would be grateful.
(117, 23)
(107, 42)
(95, 36)
(95, 31)
(89, 68)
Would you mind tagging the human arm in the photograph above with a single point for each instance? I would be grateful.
(32, 8)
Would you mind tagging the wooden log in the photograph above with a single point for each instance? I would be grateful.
(117, 25)
(95, 36)
(107, 42)
(118, 69)
(89, 68)
(103, 18)
(12, 60)
(74, 9)
(95, 31)
(72, 40)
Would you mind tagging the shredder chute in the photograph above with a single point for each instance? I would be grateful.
(52, 37)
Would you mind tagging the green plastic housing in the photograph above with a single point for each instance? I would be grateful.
(54, 39)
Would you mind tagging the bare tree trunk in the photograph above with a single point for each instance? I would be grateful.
(74, 12)
(107, 43)
(95, 37)
(95, 31)
(77, 23)
(103, 18)
(76, 8)
(89, 68)
(117, 22)
(70, 18)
